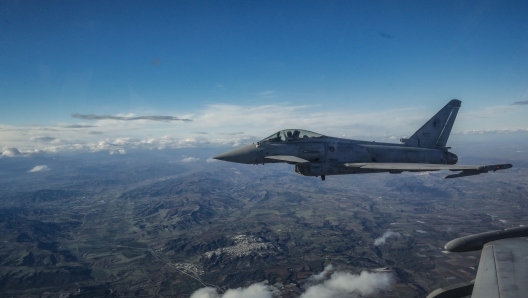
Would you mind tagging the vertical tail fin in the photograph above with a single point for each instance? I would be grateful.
(435, 132)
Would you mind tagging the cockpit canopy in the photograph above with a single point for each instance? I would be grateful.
(291, 135)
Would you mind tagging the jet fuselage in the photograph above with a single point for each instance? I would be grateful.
(314, 154)
(326, 155)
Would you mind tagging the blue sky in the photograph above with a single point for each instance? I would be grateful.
(208, 60)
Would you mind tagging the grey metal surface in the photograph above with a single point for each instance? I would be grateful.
(503, 270)
(288, 158)
(317, 155)
(477, 241)
(452, 291)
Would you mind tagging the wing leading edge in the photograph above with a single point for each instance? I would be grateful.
(466, 170)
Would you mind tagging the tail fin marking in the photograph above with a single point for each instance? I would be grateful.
(444, 135)
(435, 132)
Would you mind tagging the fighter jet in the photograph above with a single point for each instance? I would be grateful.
(316, 155)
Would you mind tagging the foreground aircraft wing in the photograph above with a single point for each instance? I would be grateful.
(503, 269)
(288, 158)
(503, 266)
(467, 170)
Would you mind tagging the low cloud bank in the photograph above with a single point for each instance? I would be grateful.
(76, 126)
(39, 169)
(327, 284)
(223, 125)
(490, 131)
(121, 145)
(383, 238)
(110, 117)
(14, 152)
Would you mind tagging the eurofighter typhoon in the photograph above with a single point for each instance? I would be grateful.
(316, 155)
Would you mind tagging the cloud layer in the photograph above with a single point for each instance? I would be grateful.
(110, 117)
(327, 284)
(221, 124)
(344, 284)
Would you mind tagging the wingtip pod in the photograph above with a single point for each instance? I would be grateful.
(463, 174)
(483, 169)
(503, 166)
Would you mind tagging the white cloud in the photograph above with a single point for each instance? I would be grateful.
(344, 284)
(383, 238)
(205, 293)
(211, 160)
(257, 290)
(327, 284)
(10, 152)
(190, 159)
(323, 275)
(39, 169)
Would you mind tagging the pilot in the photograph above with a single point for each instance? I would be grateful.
(289, 134)
(296, 134)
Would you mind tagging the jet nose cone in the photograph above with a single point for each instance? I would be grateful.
(246, 154)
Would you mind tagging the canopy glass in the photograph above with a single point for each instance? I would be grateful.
(291, 135)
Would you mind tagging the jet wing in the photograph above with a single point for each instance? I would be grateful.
(503, 266)
(467, 170)
(288, 158)
(503, 269)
